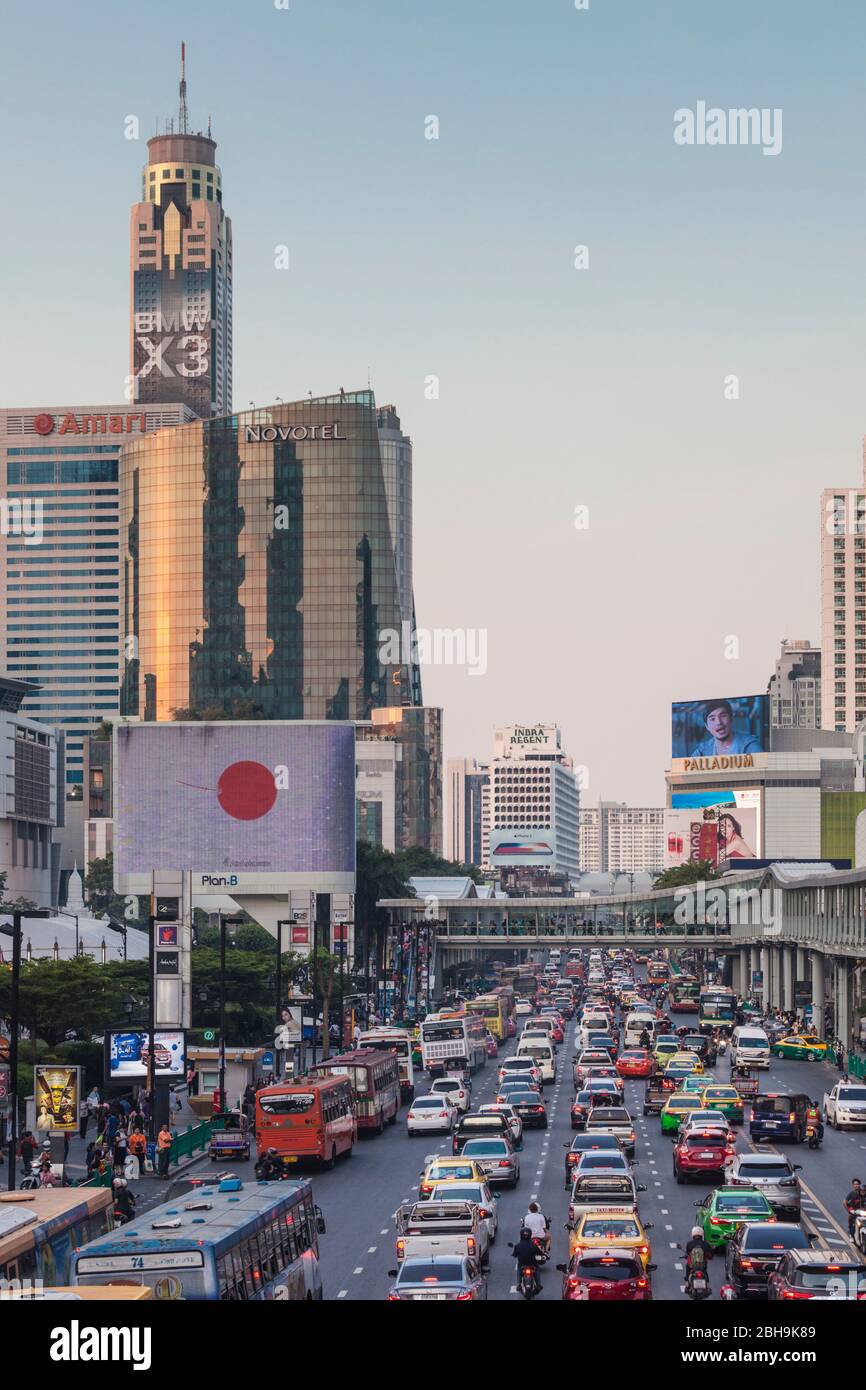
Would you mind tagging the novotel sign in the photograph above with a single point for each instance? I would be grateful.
(270, 434)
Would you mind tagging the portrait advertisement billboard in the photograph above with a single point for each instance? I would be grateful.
(514, 847)
(127, 1052)
(720, 728)
(57, 1094)
(245, 807)
(720, 826)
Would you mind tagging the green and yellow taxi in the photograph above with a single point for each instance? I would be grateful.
(721, 1096)
(803, 1047)
(665, 1048)
(686, 1058)
(692, 1085)
(606, 1226)
(721, 1214)
(675, 1107)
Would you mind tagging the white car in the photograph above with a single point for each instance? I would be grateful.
(522, 1007)
(454, 1087)
(431, 1113)
(845, 1105)
(520, 1067)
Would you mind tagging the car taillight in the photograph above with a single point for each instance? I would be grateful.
(539, 1109)
(464, 1297)
(643, 1249)
(483, 1211)
(426, 1187)
(504, 1163)
(792, 1117)
(715, 1221)
(470, 1244)
(401, 1247)
(745, 1264)
(443, 1114)
(642, 1283)
(393, 1298)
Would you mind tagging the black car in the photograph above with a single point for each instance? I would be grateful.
(480, 1127)
(756, 1250)
(530, 1107)
(587, 1143)
(703, 1044)
(817, 1274)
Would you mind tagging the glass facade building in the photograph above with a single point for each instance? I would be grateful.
(259, 567)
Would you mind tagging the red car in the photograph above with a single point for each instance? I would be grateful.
(610, 1275)
(699, 1152)
(510, 1028)
(491, 1045)
(636, 1062)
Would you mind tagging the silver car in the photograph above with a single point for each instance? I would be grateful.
(496, 1159)
(773, 1175)
(435, 1279)
(481, 1193)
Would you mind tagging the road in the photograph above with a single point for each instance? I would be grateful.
(359, 1197)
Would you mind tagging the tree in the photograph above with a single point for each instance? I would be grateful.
(694, 871)
(78, 996)
(99, 888)
(327, 968)
(379, 875)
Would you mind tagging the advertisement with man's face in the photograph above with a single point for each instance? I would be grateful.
(57, 1090)
(720, 727)
(721, 827)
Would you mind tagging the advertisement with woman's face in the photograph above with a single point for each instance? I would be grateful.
(721, 827)
(720, 727)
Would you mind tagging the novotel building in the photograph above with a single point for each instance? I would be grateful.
(59, 577)
(259, 565)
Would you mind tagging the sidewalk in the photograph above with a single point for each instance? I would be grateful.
(76, 1166)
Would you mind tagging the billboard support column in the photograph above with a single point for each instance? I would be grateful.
(13, 1046)
(151, 1022)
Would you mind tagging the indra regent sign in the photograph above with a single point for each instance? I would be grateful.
(270, 434)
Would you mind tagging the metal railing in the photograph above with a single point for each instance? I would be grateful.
(183, 1145)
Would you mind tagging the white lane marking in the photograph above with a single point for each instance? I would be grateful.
(371, 1250)
(359, 1270)
(342, 1293)
(664, 1211)
(384, 1232)
(656, 1184)
(668, 1227)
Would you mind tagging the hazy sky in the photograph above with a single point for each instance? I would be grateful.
(559, 387)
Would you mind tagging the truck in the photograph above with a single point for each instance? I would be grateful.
(442, 1228)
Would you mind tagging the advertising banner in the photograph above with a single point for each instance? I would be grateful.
(57, 1092)
(515, 847)
(4, 1087)
(719, 728)
(250, 807)
(719, 826)
(128, 1054)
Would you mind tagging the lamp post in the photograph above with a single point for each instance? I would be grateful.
(14, 1028)
(278, 1070)
(224, 922)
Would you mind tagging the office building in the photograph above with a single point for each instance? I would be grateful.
(31, 799)
(258, 567)
(843, 606)
(616, 838)
(410, 738)
(466, 781)
(181, 274)
(535, 801)
(795, 687)
(59, 581)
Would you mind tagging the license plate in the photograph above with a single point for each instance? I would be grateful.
(772, 1124)
(708, 1154)
(293, 1159)
(429, 1297)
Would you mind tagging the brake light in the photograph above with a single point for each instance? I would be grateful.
(470, 1244)
(463, 1297)
(642, 1283)
(393, 1298)
(832, 1269)
(539, 1109)
(792, 1117)
(715, 1221)
(643, 1249)
(401, 1247)
(426, 1187)
(504, 1163)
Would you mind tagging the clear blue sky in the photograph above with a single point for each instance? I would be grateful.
(454, 257)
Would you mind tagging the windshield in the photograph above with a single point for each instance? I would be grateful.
(773, 1105)
(297, 1104)
(852, 1093)
(595, 1227)
(737, 1202)
(608, 1267)
(425, 1272)
(431, 1104)
(764, 1169)
(458, 1192)
(704, 1141)
(449, 1171)
(765, 1237)
(820, 1278)
(604, 1159)
(441, 1032)
(485, 1147)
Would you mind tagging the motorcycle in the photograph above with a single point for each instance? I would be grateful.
(528, 1287)
(697, 1279)
(121, 1218)
(813, 1136)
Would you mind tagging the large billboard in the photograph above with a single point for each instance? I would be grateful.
(720, 826)
(128, 1051)
(718, 728)
(57, 1091)
(512, 848)
(252, 807)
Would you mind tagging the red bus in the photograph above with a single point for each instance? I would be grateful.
(311, 1119)
(375, 1078)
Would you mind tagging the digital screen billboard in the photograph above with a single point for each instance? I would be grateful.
(720, 727)
(57, 1093)
(250, 807)
(128, 1054)
(719, 826)
(514, 847)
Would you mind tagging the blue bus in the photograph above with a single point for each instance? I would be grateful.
(237, 1242)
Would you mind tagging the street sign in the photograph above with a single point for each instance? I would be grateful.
(267, 1059)
(209, 1035)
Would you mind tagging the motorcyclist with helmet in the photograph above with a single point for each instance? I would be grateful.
(526, 1254)
(124, 1202)
(698, 1254)
(539, 1227)
(269, 1168)
(814, 1119)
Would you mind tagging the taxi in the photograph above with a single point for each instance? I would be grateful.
(802, 1047)
(619, 1226)
(444, 1170)
(665, 1048)
(692, 1085)
(675, 1108)
(686, 1058)
(635, 1062)
(674, 1074)
(725, 1098)
(721, 1214)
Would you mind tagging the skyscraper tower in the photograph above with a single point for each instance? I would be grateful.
(181, 273)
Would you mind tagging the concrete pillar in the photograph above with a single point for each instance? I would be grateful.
(787, 962)
(799, 963)
(743, 982)
(843, 1001)
(754, 964)
(765, 971)
(818, 992)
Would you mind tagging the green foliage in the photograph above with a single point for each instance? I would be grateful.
(100, 894)
(75, 996)
(697, 871)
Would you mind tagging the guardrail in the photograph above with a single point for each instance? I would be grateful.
(183, 1145)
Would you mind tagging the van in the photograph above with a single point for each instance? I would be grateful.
(542, 1054)
(779, 1115)
(750, 1047)
(592, 1021)
(636, 1024)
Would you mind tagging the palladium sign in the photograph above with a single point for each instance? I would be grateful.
(269, 434)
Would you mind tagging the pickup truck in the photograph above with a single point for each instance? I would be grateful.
(654, 1097)
(845, 1105)
(442, 1228)
(615, 1120)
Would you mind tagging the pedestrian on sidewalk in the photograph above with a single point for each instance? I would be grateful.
(26, 1150)
(163, 1148)
(840, 1055)
(121, 1149)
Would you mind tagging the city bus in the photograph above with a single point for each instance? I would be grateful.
(506, 994)
(311, 1119)
(684, 994)
(375, 1080)
(490, 1008)
(39, 1230)
(658, 972)
(399, 1040)
(453, 1041)
(717, 1007)
(234, 1242)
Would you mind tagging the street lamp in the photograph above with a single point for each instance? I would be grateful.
(282, 922)
(224, 922)
(14, 1027)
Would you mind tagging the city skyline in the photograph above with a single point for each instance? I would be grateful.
(604, 419)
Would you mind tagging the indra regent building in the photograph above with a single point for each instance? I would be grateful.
(259, 566)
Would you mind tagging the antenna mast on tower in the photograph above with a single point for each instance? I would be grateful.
(183, 114)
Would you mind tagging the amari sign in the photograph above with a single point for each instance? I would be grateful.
(270, 434)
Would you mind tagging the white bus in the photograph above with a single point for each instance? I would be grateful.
(452, 1042)
(399, 1040)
